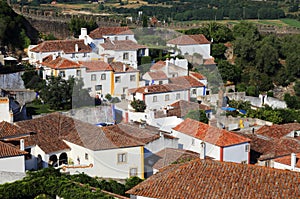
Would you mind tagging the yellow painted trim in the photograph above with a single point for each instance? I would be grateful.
(142, 163)
(112, 83)
(138, 79)
(55, 73)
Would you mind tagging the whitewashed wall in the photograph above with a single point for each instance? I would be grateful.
(4, 110)
(106, 84)
(13, 164)
(278, 165)
(202, 49)
(236, 153)
(160, 144)
(125, 83)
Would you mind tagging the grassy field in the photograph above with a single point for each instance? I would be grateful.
(291, 22)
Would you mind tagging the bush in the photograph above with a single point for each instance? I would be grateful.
(138, 105)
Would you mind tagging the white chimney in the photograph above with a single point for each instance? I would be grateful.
(83, 32)
(293, 161)
(167, 66)
(124, 67)
(105, 59)
(203, 150)
(76, 47)
(22, 146)
(146, 90)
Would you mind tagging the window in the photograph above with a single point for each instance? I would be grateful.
(28, 155)
(73, 55)
(193, 141)
(126, 38)
(194, 91)
(177, 96)
(133, 172)
(117, 79)
(103, 76)
(93, 77)
(86, 156)
(132, 78)
(78, 73)
(116, 38)
(160, 82)
(58, 54)
(247, 148)
(84, 54)
(89, 89)
(122, 157)
(167, 97)
(125, 56)
(98, 88)
(244, 162)
(154, 99)
(62, 73)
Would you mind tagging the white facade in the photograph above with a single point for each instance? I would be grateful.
(237, 153)
(13, 164)
(160, 144)
(161, 100)
(193, 144)
(197, 91)
(202, 49)
(5, 113)
(278, 165)
(105, 163)
(124, 81)
(98, 82)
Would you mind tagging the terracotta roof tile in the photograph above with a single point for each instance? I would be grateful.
(158, 65)
(143, 135)
(60, 63)
(189, 40)
(169, 156)
(182, 107)
(186, 81)
(214, 179)
(98, 33)
(67, 46)
(157, 89)
(118, 67)
(210, 134)
(52, 129)
(96, 66)
(278, 131)
(287, 160)
(9, 151)
(8, 130)
(157, 75)
(121, 45)
(198, 76)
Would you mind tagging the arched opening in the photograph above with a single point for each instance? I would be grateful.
(63, 159)
(39, 162)
(53, 161)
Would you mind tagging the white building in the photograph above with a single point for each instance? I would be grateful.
(75, 50)
(124, 78)
(218, 144)
(196, 88)
(191, 44)
(170, 67)
(159, 96)
(156, 77)
(288, 162)
(5, 113)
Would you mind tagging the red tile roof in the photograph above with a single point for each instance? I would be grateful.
(8, 130)
(169, 156)
(210, 134)
(186, 81)
(118, 67)
(158, 65)
(142, 135)
(102, 31)
(182, 107)
(60, 63)
(52, 129)
(198, 76)
(96, 66)
(157, 89)
(121, 45)
(287, 160)
(189, 40)
(214, 179)
(67, 46)
(9, 151)
(157, 75)
(278, 131)
(210, 61)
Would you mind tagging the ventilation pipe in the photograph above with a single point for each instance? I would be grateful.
(203, 150)
(22, 146)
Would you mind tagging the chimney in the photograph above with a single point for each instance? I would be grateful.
(22, 147)
(167, 66)
(76, 47)
(146, 90)
(293, 161)
(124, 67)
(203, 150)
(105, 59)
(83, 32)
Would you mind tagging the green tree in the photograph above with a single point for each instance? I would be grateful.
(229, 72)
(198, 115)
(138, 105)
(132, 182)
(77, 23)
(297, 88)
(267, 59)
